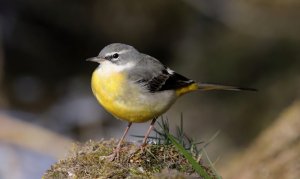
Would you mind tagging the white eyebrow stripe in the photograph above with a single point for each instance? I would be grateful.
(120, 52)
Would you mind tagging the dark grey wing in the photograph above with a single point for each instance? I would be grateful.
(168, 80)
(154, 76)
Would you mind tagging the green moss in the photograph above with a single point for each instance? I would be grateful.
(88, 161)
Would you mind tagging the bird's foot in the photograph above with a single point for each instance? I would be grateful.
(143, 147)
(140, 150)
(112, 157)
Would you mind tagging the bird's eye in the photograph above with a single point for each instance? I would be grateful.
(115, 55)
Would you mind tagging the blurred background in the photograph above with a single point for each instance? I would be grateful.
(45, 80)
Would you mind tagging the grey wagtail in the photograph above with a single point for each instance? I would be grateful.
(136, 87)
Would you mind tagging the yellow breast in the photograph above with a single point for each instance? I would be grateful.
(125, 100)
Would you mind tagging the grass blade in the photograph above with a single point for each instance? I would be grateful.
(197, 167)
(212, 165)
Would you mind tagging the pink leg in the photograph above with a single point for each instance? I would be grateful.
(116, 153)
(124, 135)
(147, 133)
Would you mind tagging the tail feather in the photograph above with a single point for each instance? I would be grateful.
(208, 87)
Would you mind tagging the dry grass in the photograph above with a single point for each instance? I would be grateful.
(156, 161)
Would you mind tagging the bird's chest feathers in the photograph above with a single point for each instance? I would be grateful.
(108, 86)
(125, 99)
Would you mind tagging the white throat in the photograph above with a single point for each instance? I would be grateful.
(106, 67)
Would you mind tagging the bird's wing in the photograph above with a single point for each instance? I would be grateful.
(154, 76)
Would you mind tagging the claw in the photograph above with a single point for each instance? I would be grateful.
(142, 147)
(116, 153)
(114, 156)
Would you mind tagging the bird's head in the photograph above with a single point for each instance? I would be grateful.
(117, 54)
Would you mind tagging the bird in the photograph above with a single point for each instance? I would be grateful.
(136, 87)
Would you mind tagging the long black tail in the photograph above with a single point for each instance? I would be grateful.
(208, 87)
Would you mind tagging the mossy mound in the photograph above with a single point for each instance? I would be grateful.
(156, 161)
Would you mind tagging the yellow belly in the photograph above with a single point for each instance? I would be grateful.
(125, 101)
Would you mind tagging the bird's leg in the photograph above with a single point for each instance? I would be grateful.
(147, 134)
(123, 137)
(116, 152)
